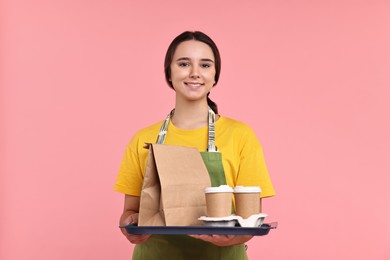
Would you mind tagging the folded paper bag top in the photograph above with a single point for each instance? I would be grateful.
(173, 187)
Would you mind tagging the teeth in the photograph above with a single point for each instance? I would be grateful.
(194, 84)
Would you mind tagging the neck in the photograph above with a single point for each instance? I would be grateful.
(190, 115)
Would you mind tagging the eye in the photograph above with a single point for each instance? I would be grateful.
(205, 65)
(184, 64)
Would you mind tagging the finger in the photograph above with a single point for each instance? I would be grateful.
(137, 239)
(124, 231)
(223, 237)
(134, 218)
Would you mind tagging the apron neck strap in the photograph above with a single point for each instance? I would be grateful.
(211, 130)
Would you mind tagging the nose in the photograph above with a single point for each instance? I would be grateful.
(194, 73)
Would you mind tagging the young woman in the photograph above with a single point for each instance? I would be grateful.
(192, 69)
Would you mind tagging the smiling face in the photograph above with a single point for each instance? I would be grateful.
(192, 70)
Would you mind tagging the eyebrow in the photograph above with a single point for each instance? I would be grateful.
(187, 59)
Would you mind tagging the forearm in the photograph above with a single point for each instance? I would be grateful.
(130, 211)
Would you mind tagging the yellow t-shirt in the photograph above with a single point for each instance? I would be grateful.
(242, 155)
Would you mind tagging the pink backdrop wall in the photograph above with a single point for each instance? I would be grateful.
(78, 78)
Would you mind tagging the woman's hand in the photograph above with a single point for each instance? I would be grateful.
(130, 217)
(130, 220)
(223, 240)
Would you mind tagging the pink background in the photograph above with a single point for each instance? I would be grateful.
(78, 78)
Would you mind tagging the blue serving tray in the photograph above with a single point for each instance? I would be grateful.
(200, 230)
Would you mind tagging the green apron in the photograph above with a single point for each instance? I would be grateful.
(178, 247)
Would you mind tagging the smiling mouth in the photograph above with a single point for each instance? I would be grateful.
(194, 84)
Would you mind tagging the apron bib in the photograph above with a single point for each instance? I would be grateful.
(177, 247)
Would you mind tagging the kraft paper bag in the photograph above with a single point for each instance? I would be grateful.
(173, 187)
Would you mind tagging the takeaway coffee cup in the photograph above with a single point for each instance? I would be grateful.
(247, 200)
(219, 201)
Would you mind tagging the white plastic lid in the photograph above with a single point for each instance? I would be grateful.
(247, 189)
(221, 188)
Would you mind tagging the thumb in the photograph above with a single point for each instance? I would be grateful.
(133, 218)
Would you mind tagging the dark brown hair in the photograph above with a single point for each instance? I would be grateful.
(197, 36)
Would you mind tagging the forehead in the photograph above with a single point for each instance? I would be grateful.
(194, 50)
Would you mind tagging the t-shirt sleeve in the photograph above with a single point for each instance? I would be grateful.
(253, 169)
(130, 177)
